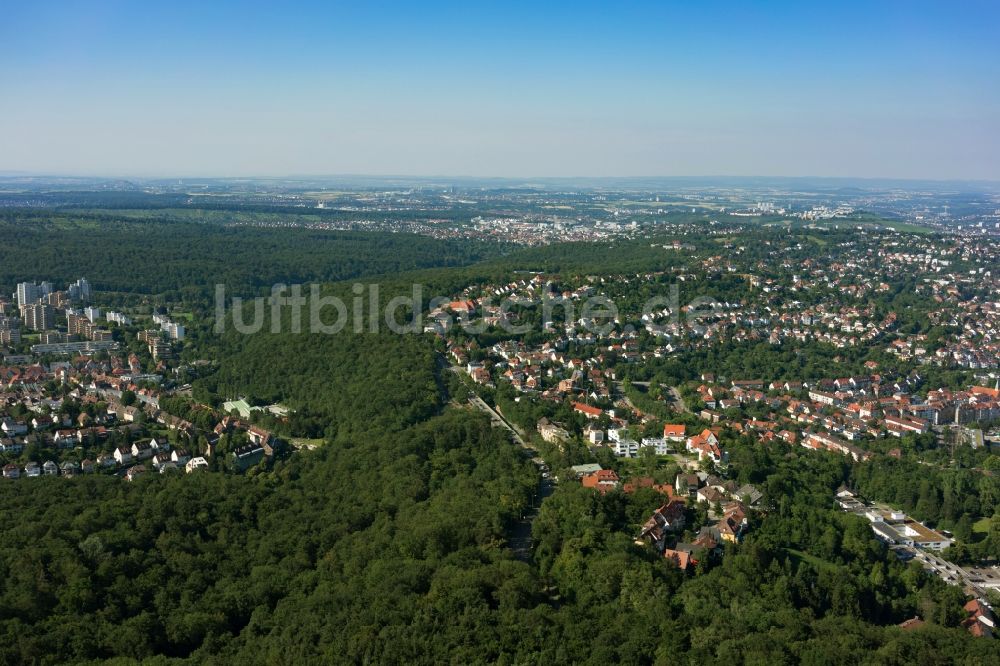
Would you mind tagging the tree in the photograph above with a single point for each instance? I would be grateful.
(963, 529)
(648, 460)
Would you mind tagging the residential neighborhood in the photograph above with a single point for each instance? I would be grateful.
(91, 415)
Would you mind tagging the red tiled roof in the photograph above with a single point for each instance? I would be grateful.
(587, 409)
(679, 557)
(602, 479)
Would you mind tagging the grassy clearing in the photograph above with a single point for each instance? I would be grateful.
(816, 562)
(306, 443)
(907, 227)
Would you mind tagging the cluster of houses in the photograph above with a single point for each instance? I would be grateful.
(705, 445)
(729, 501)
(830, 414)
(130, 457)
(578, 365)
(840, 312)
(261, 443)
(826, 415)
(833, 414)
(731, 522)
(27, 389)
(547, 371)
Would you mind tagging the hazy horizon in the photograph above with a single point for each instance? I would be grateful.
(387, 178)
(897, 91)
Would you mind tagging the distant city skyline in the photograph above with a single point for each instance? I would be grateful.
(858, 90)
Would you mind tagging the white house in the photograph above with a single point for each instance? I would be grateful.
(615, 433)
(65, 438)
(195, 463)
(11, 446)
(123, 455)
(658, 444)
(594, 434)
(11, 427)
(625, 448)
(142, 451)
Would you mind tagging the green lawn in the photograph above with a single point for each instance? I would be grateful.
(904, 226)
(817, 562)
(981, 526)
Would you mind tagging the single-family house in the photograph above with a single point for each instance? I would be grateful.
(123, 455)
(134, 471)
(142, 450)
(705, 444)
(593, 433)
(161, 459)
(668, 518)
(710, 494)
(682, 559)
(589, 411)
(674, 433)
(197, 462)
(602, 480)
(65, 438)
(11, 427)
(686, 485)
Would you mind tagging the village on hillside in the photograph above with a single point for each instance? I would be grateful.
(597, 381)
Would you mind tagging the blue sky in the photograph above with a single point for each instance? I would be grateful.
(865, 89)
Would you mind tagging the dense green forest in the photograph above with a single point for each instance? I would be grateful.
(184, 260)
(318, 556)
(347, 382)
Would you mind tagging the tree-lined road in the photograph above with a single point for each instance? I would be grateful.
(520, 534)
